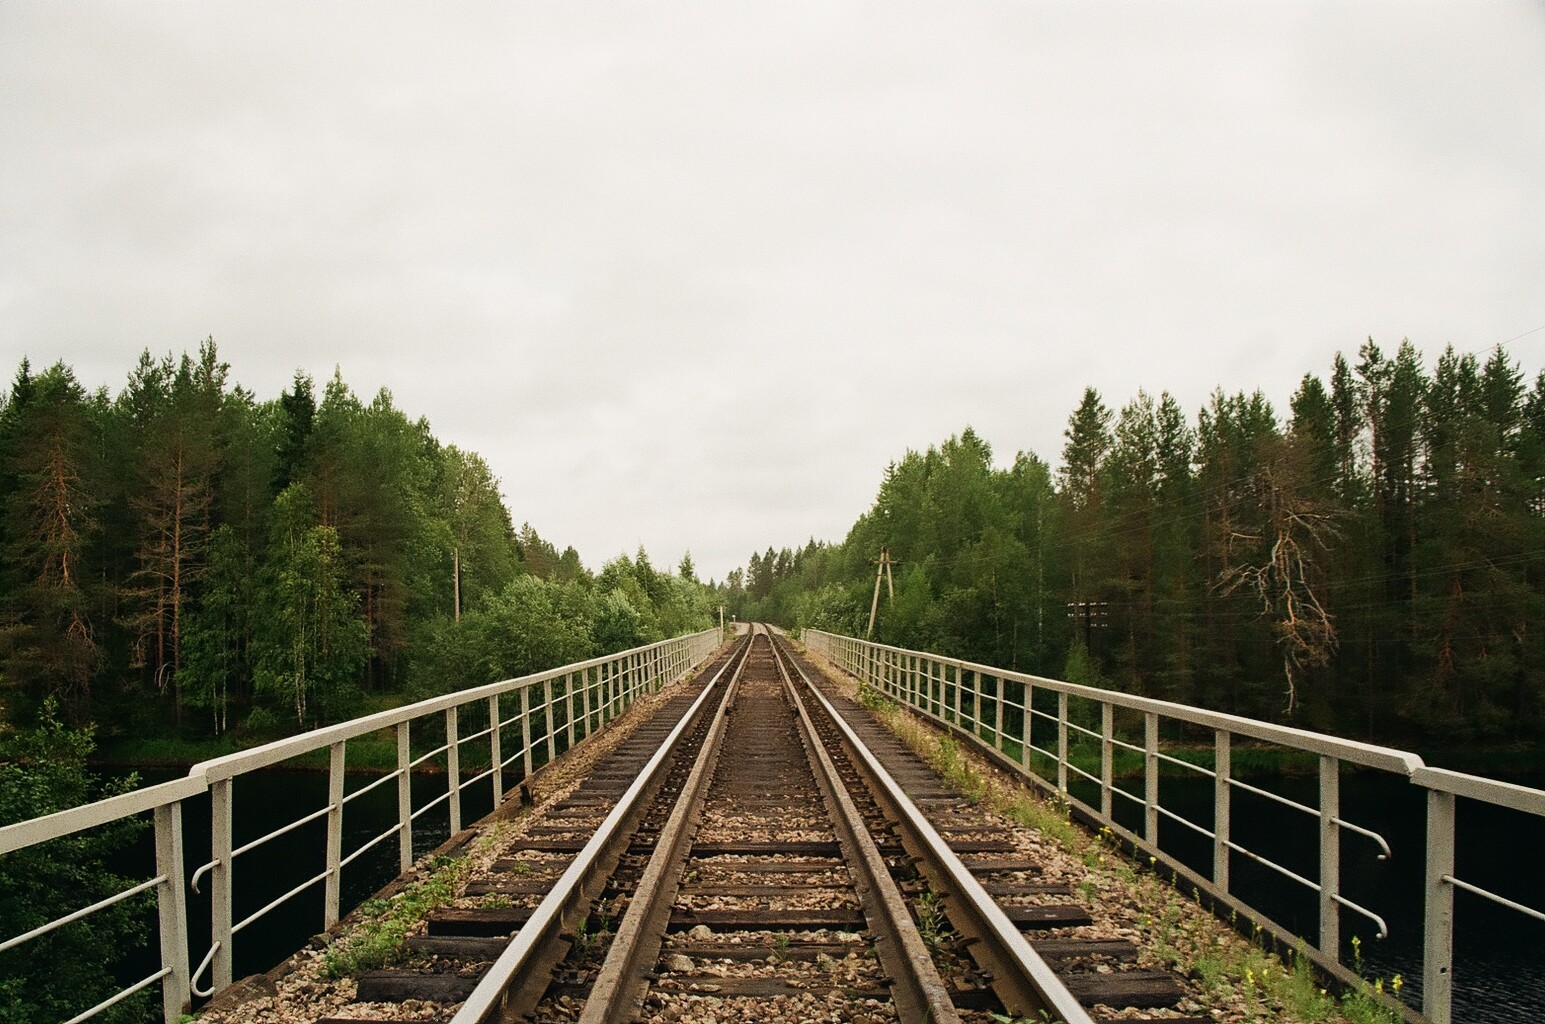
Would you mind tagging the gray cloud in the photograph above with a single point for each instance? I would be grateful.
(690, 277)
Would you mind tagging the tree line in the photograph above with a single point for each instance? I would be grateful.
(183, 553)
(1372, 564)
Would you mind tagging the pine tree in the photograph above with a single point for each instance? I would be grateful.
(48, 638)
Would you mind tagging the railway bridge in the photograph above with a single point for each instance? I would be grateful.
(723, 819)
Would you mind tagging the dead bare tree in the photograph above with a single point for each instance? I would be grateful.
(1275, 549)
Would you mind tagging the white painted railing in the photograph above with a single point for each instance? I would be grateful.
(534, 718)
(996, 708)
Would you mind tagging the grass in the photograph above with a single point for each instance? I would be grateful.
(382, 924)
(932, 923)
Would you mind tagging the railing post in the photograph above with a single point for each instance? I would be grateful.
(547, 716)
(1330, 857)
(172, 911)
(1062, 741)
(1107, 757)
(1151, 777)
(334, 835)
(1026, 724)
(404, 798)
(220, 881)
(1438, 923)
(525, 729)
(960, 686)
(997, 718)
(1029, 729)
(976, 704)
(568, 704)
(453, 768)
(495, 749)
(584, 692)
(1222, 800)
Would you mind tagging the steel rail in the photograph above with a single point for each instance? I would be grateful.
(512, 977)
(919, 994)
(1021, 979)
(612, 998)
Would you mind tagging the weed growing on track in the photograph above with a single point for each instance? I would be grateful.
(377, 940)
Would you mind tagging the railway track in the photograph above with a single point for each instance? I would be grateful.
(761, 850)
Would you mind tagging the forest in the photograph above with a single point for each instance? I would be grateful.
(182, 558)
(1372, 565)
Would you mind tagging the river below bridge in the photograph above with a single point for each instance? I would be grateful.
(1500, 955)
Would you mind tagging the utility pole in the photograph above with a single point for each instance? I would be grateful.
(883, 571)
(456, 578)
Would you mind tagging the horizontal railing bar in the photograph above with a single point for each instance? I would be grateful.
(313, 880)
(477, 778)
(475, 736)
(1135, 798)
(1313, 812)
(442, 748)
(120, 997)
(1370, 915)
(202, 967)
(431, 804)
(1300, 879)
(1187, 764)
(60, 922)
(345, 862)
(1187, 822)
(1386, 855)
(291, 827)
(1092, 734)
(1043, 751)
(200, 873)
(1117, 742)
(1368, 754)
(21, 834)
(1502, 794)
(1075, 769)
(230, 765)
(311, 817)
(1503, 900)
(378, 782)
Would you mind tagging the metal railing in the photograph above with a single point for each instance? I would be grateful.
(998, 709)
(530, 720)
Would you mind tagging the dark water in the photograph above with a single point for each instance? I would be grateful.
(267, 800)
(1499, 968)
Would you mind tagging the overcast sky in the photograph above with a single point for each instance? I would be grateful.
(690, 276)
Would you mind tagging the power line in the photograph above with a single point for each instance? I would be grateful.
(1523, 335)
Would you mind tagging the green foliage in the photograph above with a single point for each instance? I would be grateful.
(381, 925)
(1371, 567)
(310, 643)
(187, 562)
(56, 976)
(50, 438)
